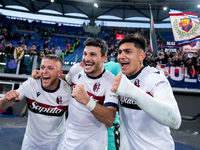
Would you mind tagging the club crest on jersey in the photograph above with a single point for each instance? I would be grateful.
(137, 83)
(59, 99)
(96, 87)
(38, 93)
(79, 76)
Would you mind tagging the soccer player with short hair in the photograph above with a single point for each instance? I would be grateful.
(47, 99)
(93, 106)
(148, 107)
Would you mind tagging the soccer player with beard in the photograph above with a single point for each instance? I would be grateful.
(47, 100)
(148, 107)
(93, 106)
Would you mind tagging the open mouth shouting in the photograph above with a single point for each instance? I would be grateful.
(88, 65)
(124, 64)
(45, 79)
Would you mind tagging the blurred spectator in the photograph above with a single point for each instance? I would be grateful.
(23, 39)
(52, 46)
(52, 51)
(147, 60)
(169, 63)
(154, 61)
(32, 50)
(113, 54)
(194, 61)
(18, 52)
(181, 61)
(168, 55)
(189, 66)
(176, 61)
(37, 52)
(58, 52)
(9, 51)
(25, 49)
(46, 51)
(3, 47)
(45, 45)
(38, 48)
(42, 54)
(161, 59)
(67, 49)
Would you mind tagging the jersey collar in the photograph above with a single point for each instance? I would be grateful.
(135, 75)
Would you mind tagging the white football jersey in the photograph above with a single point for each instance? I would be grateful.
(83, 130)
(46, 113)
(138, 131)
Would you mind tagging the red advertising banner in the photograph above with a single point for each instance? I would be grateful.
(119, 36)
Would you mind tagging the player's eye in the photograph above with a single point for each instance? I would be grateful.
(93, 54)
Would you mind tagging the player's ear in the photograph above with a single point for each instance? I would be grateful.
(60, 72)
(104, 58)
(142, 56)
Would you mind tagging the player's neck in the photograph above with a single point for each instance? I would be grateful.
(97, 73)
(53, 87)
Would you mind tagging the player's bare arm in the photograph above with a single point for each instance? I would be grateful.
(9, 99)
(164, 111)
(105, 115)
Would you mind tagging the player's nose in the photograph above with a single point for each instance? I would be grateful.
(45, 70)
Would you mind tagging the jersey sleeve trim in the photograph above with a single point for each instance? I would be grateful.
(111, 104)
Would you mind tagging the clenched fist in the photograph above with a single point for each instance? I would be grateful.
(36, 74)
(12, 95)
(80, 94)
(116, 83)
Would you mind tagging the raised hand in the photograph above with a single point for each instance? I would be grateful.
(116, 83)
(35, 74)
(12, 95)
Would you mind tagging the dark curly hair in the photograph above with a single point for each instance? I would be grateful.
(97, 43)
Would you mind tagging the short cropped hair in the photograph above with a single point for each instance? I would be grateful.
(97, 43)
(136, 38)
(54, 57)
